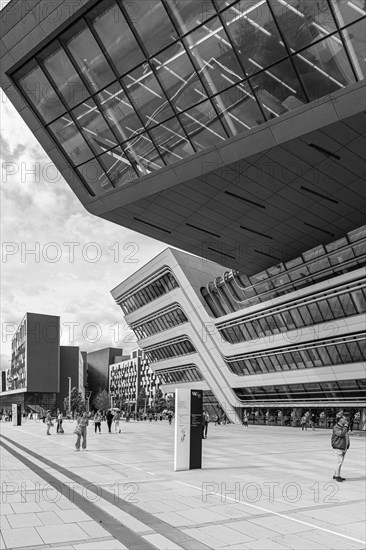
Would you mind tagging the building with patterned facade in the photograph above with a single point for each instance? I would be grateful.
(285, 341)
(129, 376)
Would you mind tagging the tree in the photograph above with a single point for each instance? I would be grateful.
(101, 400)
(141, 399)
(159, 403)
(77, 403)
(170, 402)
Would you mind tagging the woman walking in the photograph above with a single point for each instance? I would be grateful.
(97, 421)
(48, 422)
(80, 430)
(109, 420)
(117, 418)
(59, 428)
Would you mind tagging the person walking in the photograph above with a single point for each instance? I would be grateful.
(97, 421)
(170, 417)
(340, 444)
(48, 422)
(116, 419)
(205, 421)
(304, 423)
(59, 427)
(245, 420)
(81, 425)
(109, 417)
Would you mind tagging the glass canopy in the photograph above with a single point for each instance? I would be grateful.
(131, 87)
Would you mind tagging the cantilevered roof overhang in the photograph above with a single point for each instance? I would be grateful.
(266, 196)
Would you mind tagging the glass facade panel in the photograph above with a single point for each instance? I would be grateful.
(202, 126)
(251, 27)
(152, 24)
(40, 92)
(68, 136)
(88, 56)
(95, 177)
(178, 77)
(119, 112)
(146, 96)
(94, 128)
(214, 56)
(218, 75)
(117, 166)
(188, 14)
(324, 68)
(171, 142)
(64, 75)
(116, 36)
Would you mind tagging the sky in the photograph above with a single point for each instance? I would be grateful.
(41, 274)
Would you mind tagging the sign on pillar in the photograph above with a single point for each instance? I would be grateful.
(188, 429)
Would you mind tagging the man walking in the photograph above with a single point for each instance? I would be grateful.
(205, 421)
(340, 444)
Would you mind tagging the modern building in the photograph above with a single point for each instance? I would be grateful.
(34, 375)
(128, 377)
(40, 369)
(285, 341)
(230, 129)
(98, 363)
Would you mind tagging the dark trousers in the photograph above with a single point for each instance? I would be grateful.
(109, 424)
(204, 429)
(97, 426)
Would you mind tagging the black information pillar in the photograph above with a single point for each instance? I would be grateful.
(195, 451)
(16, 412)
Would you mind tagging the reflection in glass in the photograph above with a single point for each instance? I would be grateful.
(152, 24)
(278, 89)
(39, 91)
(146, 96)
(178, 77)
(66, 133)
(355, 38)
(95, 177)
(117, 167)
(119, 112)
(94, 127)
(143, 150)
(214, 56)
(188, 14)
(116, 35)
(240, 106)
(89, 57)
(171, 141)
(64, 76)
(255, 35)
(324, 68)
(303, 22)
(346, 12)
(202, 126)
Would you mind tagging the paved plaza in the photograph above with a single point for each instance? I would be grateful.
(268, 488)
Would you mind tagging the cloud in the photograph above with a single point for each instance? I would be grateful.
(42, 271)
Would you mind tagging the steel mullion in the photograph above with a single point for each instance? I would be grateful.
(190, 57)
(71, 115)
(345, 47)
(283, 38)
(246, 79)
(96, 98)
(151, 65)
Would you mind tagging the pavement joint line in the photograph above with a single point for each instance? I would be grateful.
(277, 514)
(116, 528)
(153, 525)
(94, 454)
